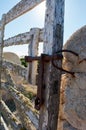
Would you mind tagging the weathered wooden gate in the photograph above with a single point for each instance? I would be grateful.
(52, 36)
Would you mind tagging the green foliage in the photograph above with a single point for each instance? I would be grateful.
(23, 62)
(23, 128)
(29, 95)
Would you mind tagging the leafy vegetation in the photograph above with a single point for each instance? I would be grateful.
(23, 62)
(29, 95)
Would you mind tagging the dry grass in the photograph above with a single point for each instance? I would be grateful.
(23, 85)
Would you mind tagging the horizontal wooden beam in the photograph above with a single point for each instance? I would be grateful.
(22, 7)
(23, 38)
(3, 125)
(10, 117)
(25, 107)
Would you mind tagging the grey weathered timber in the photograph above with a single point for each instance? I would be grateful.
(73, 88)
(2, 23)
(27, 114)
(53, 40)
(22, 7)
(3, 125)
(10, 117)
(23, 38)
(33, 51)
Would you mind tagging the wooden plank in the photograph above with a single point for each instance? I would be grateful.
(10, 117)
(2, 24)
(23, 38)
(33, 51)
(22, 7)
(27, 113)
(3, 125)
(53, 41)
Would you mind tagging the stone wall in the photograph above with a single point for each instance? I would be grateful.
(18, 69)
(73, 87)
(11, 57)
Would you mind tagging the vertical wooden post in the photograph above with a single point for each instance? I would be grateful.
(33, 51)
(2, 24)
(53, 41)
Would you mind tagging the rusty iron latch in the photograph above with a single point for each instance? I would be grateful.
(42, 60)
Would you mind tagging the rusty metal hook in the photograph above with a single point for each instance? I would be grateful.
(76, 54)
(72, 73)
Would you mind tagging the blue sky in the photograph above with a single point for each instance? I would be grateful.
(75, 18)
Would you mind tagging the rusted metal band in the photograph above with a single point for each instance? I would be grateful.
(72, 52)
(59, 68)
(45, 57)
(60, 51)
